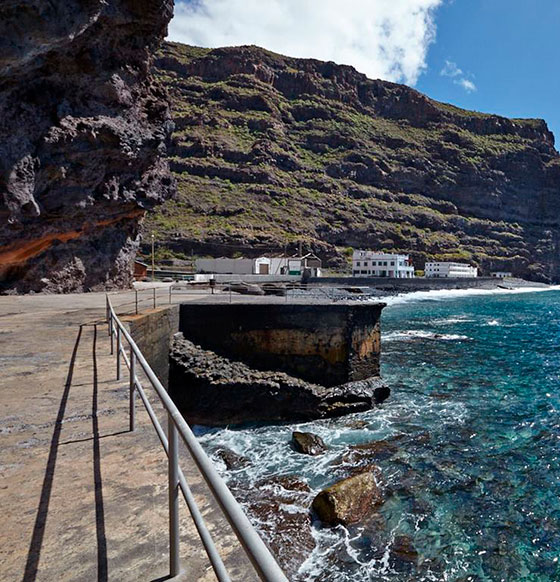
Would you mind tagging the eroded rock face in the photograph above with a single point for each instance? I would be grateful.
(213, 390)
(82, 139)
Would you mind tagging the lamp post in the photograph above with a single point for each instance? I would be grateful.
(153, 257)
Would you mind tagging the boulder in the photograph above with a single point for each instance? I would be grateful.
(308, 443)
(348, 501)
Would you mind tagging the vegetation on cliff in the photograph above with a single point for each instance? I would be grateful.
(270, 151)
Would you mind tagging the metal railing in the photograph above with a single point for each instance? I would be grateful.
(255, 549)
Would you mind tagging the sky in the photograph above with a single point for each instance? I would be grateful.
(495, 56)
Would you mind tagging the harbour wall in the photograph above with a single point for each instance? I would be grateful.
(152, 330)
(407, 285)
(323, 343)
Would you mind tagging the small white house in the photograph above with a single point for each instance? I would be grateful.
(372, 264)
(501, 274)
(448, 269)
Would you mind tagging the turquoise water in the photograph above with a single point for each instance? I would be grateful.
(473, 475)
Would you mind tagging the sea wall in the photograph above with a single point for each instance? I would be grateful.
(153, 330)
(404, 285)
(328, 344)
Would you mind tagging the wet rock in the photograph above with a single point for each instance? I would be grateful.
(403, 552)
(232, 460)
(213, 390)
(308, 443)
(348, 501)
(280, 505)
(357, 424)
(381, 394)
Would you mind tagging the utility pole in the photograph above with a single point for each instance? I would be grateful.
(153, 257)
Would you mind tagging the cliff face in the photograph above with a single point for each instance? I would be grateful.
(269, 151)
(82, 139)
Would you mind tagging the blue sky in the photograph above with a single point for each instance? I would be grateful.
(509, 49)
(496, 56)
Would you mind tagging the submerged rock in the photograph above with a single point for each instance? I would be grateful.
(280, 506)
(402, 554)
(367, 452)
(308, 443)
(213, 390)
(348, 501)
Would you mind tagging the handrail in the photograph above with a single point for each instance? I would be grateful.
(255, 549)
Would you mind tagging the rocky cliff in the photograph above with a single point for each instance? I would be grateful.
(82, 139)
(271, 151)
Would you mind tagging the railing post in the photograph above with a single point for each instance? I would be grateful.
(132, 390)
(111, 333)
(108, 314)
(170, 293)
(119, 348)
(154, 297)
(136, 300)
(173, 479)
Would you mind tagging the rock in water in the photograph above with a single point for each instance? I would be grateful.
(83, 137)
(348, 501)
(308, 443)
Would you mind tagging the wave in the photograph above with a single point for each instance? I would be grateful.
(419, 334)
(452, 320)
(443, 294)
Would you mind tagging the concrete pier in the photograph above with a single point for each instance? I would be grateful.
(81, 498)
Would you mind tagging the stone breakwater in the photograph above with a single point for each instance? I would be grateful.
(213, 390)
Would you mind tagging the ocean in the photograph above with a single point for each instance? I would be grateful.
(468, 451)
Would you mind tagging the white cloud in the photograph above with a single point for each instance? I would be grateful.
(467, 85)
(385, 39)
(451, 69)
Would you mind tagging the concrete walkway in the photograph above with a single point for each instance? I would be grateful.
(81, 498)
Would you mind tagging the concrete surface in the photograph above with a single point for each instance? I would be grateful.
(81, 498)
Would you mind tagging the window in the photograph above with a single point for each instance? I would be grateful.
(392, 263)
(358, 264)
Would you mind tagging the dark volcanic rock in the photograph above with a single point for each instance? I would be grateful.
(348, 501)
(211, 389)
(232, 460)
(82, 139)
(308, 443)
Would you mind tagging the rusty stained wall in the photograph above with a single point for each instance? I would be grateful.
(327, 344)
(152, 330)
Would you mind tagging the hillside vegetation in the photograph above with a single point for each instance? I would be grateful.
(270, 151)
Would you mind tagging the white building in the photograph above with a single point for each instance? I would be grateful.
(261, 266)
(225, 265)
(446, 269)
(372, 264)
